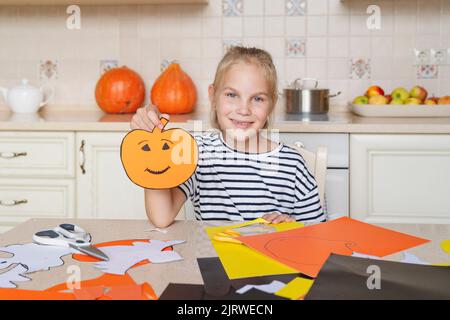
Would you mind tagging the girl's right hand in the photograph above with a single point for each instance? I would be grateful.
(146, 118)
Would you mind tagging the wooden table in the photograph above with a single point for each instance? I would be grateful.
(197, 245)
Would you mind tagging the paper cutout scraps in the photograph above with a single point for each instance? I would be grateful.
(20, 294)
(122, 257)
(244, 267)
(33, 257)
(296, 289)
(412, 258)
(445, 245)
(160, 159)
(272, 287)
(306, 249)
(346, 278)
(9, 278)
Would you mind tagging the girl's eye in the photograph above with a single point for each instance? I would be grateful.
(259, 99)
(230, 94)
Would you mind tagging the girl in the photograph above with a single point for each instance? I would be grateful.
(241, 174)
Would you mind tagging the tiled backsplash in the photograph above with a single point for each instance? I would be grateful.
(325, 39)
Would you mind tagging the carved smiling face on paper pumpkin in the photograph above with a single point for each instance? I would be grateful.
(160, 159)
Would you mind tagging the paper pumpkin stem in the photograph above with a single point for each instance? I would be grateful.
(164, 121)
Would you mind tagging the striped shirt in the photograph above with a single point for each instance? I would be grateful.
(234, 185)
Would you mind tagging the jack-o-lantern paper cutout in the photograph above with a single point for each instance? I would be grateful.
(160, 159)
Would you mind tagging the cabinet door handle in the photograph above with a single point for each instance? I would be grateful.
(82, 157)
(10, 203)
(299, 144)
(10, 155)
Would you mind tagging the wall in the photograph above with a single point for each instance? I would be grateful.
(315, 38)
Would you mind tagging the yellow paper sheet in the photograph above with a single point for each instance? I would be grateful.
(239, 261)
(295, 289)
(445, 245)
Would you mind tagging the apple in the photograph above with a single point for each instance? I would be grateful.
(444, 100)
(435, 99)
(379, 99)
(361, 100)
(374, 91)
(400, 93)
(429, 102)
(418, 92)
(396, 101)
(389, 98)
(413, 101)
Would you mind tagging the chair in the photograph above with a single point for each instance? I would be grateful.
(317, 166)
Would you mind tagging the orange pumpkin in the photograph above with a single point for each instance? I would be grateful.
(160, 159)
(174, 91)
(120, 90)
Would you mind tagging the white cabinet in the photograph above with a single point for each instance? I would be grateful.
(400, 178)
(103, 188)
(37, 177)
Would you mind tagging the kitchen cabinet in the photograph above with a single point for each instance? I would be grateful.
(98, 2)
(400, 178)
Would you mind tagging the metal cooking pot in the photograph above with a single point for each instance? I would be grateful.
(301, 100)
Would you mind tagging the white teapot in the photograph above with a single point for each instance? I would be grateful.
(25, 98)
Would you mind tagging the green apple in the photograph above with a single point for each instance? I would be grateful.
(413, 101)
(378, 100)
(396, 101)
(361, 100)
(400, 93)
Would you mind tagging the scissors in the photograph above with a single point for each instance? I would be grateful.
(69, 235)
(256, 226)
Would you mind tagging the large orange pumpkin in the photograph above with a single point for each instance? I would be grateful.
(120, 90)
(160, 159)
(174, 91)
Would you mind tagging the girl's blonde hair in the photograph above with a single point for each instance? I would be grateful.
(247, 55)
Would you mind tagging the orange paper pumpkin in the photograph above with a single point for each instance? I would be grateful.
(160, 159)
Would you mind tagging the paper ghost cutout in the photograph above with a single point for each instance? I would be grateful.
(9, 278)
(33, 257)
(124, 257)
(160, 159)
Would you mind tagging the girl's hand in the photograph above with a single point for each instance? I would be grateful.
(277, 217)
(146, 118)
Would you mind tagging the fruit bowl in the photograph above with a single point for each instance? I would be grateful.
(400, 110)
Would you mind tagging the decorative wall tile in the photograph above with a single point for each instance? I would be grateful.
(438, 56)
(48, 69)
(428, 71)
(359, 68)
(228, 43)
(106, 65)
(295, 7)
(296, 47)
(232, 8)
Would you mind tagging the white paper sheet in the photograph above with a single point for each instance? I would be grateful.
(271, 288)
(9, 278)
(412, 258)
(122, 258)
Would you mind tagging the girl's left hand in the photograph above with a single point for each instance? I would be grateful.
(277, 217)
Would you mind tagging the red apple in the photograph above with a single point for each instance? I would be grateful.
(374, 91)
(418, 92)
(389, 98)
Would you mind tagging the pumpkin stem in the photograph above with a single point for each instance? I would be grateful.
(164, 121)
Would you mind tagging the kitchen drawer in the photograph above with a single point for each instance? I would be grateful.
(36, 198)
(336, 143)
(37, 154)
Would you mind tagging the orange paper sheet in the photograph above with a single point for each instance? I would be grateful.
(19, 294)
(306, 249)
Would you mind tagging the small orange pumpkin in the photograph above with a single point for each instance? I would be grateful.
(120, 90)
(174, 92)
(160, 159)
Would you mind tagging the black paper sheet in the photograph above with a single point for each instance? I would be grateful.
(344, 277)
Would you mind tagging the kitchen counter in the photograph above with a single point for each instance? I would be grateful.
(334, 122)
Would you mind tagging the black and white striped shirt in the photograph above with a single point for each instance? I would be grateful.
(234, 185)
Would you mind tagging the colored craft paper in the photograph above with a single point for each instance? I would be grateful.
(445, 245)
(344, 277)
(32, 257)
(19, 294)
(412, 258)
(306, 249)
(272, 287)
(295, 289)
(244, 266)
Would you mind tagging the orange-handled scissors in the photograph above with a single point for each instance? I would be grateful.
(229, 235)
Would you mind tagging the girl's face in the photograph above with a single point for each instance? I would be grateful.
(243, 104)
